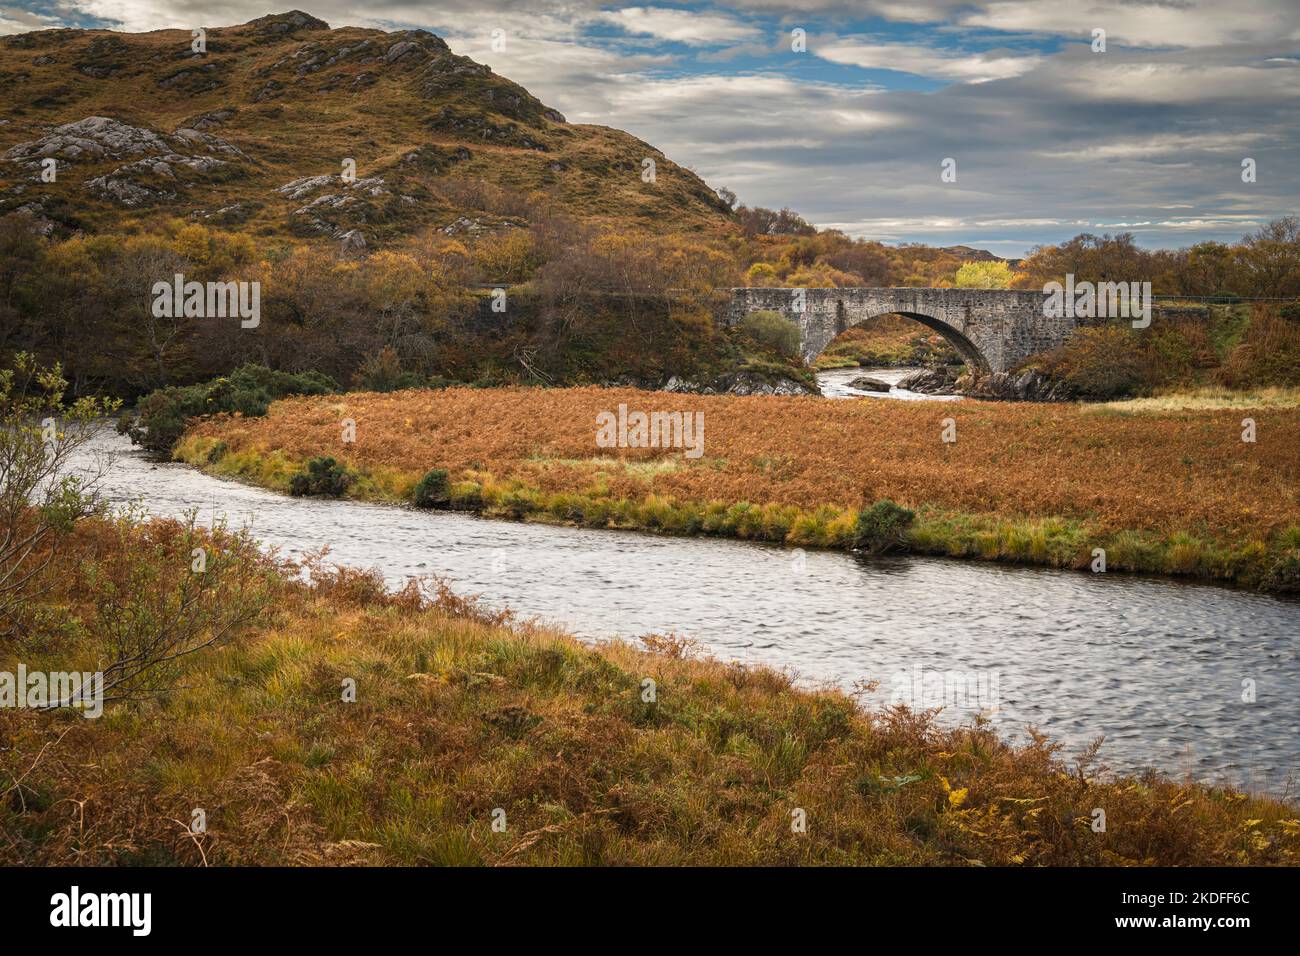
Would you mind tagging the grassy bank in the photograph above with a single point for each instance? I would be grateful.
(1171, 490)
(462, 717)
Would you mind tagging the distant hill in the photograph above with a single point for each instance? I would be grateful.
(969, 254)
(254, 132)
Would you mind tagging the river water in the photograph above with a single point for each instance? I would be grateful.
(835, 384)
(1155, 666)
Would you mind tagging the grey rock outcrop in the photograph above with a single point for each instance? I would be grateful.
(279, 23)
(739, 383)
(157, 159)
(1027, 385)
(940, 380)
(147, 180)
(93, 138)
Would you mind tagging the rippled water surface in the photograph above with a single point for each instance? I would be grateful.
(1155, 666)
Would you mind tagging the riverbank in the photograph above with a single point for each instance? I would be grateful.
(1161, 491)
(580, 755)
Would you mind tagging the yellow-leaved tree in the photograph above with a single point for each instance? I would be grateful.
(994, 274)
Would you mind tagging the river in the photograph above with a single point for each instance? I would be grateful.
(1155, 666)
(835, 384)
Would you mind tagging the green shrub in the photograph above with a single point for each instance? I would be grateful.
(323, 476)
(433, 491)
(772, 331)
(161, 415)
(882, 527)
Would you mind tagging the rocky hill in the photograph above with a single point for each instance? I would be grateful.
(256, 133)
(969, 254)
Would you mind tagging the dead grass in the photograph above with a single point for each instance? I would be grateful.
(798, 470)
(1208, 398)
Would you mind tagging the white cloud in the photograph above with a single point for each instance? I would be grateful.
(1152, 147)
(1184, 78)
(925, 60)
(1155, 23)
(682, 26)
(1193, 23)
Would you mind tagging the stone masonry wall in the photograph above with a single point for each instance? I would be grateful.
(993, 329)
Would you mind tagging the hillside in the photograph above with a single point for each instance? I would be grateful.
(253, 134)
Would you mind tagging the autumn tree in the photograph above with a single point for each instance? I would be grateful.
(994, 274)
(1270, 259)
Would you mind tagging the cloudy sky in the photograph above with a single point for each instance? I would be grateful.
(1050, 138)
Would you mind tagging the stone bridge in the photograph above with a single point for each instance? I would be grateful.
(992, 329)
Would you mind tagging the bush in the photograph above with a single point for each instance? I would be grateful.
(1175, 352)
(1284, 575)
(433, 491)
(1269, 354)
(1099, 363)
(249, 390)
(773, 331)
(882, 527)
(323, 476)
(382, 372)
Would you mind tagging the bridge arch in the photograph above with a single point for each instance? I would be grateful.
(992, 329)
(968, 350)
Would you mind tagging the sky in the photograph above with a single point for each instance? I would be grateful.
(1050, 135)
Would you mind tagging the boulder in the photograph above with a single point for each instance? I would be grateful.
(401, 49)
(940, 380)
(865, 383)
(352, 243)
